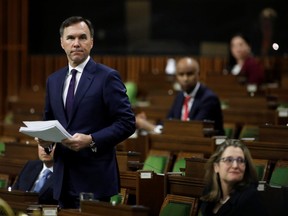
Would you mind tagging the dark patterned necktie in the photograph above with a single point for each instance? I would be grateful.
(70, 94)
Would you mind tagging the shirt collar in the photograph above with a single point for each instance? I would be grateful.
(194, 92)
(79, 67)
(45, 167)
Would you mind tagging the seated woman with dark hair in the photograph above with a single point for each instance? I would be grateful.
(243, 63)
(231, 182)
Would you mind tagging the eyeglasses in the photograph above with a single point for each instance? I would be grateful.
(229, 160)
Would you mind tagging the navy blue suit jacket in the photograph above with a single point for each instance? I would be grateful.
(27, 178)
(206, 106)
(101, 108)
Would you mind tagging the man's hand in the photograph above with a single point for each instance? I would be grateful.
(78, 141)
(42, 143)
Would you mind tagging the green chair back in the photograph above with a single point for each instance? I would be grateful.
(173, 208)
(2, 148)
(228, 132)
(249, 132)
(181, 163)
(155, 163)
(116, 199)
(260, 171)
(131, 92)
(2, 183)
(279, 177)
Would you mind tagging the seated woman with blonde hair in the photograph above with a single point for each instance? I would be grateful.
(231, 182)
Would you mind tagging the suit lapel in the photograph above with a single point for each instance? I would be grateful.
(196, 102)
(180, 106)
(83, 86)
(34, 174)
(58, 96)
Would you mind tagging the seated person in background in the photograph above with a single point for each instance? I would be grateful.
(243, 63)
(194, 102)
(232, 182)
(32, 173)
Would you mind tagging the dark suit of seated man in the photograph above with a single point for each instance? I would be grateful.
(32, 172)
(195, 101)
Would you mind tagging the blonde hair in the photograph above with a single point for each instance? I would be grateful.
(212, 179)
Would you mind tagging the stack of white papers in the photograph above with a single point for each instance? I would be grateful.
(51, 131)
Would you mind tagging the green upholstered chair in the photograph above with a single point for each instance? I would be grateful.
(174, 208)
(180, 162)
(279, 177)
(4, 181)
(178, 205)
(120, 198)
(262, 167)
(116, 199)
(131, 92)
(230, 129)
(179, 165)
(2, 148)
(157, 161)
(224, 104)
(249, 131)
(260, 171)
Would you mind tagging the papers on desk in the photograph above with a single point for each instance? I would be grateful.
(51, 131)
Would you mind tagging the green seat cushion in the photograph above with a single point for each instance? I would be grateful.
(260, 171)
(131, 91)
(228, 132)
(249, 133)
(2, 147)
(155, 163)
(181, 163)
(279, 177)
(116, 199)
(179, 209)
(2, 184)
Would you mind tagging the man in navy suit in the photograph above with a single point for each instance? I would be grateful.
(202, 103)
(31, 173)
(101, 117)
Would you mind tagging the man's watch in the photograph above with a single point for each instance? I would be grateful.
(93, 146)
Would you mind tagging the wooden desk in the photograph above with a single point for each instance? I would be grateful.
(268, 150)
(247, 102)
(226, 85)
(195, 167)
(74, 212)
(128, 180)
(123, 159)
(154, 113)
(273, 133)
(21, 151)
(175, 143)
(12, 167)
(249, 116)
(164, 99)
(107, 209)
(188, 128)
(192, 183)
(150, 191)
(185, 186)
(19, 200)
(138, 144)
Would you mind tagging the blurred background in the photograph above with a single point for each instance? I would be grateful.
(161, 26)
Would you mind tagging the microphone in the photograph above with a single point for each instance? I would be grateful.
(49, 149)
